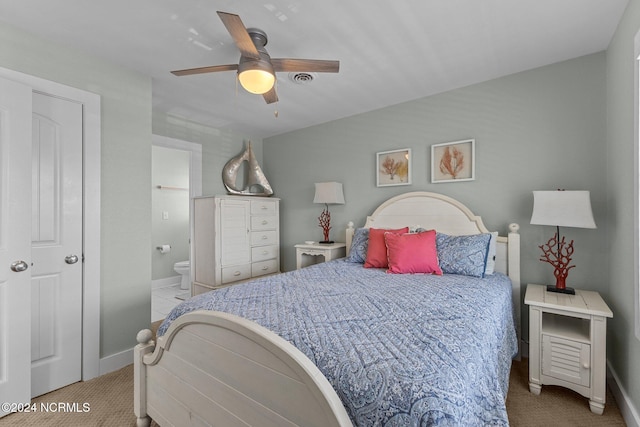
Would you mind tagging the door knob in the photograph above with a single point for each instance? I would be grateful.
(19, 266)
(71, 259)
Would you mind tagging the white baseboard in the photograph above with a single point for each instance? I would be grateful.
(167, 281)
(116, 361)
(627, 409)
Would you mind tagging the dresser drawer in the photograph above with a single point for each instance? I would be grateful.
(264, 267)
(236, 272)
(264, 222)
(260, 238)
(263, 207)
(261, 253)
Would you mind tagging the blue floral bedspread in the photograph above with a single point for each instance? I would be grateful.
(400, 350)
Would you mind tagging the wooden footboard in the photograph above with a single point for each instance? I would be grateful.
(214, 368)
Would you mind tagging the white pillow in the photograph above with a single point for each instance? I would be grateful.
(491, 255)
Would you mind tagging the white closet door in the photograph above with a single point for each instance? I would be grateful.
(56, 234)
(15, 245)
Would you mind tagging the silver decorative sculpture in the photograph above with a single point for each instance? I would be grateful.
(255, 180)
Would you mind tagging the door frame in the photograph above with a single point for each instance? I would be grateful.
(91, 122)
(195, 177)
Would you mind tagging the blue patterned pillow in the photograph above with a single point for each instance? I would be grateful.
(466, 255)
(359, 246)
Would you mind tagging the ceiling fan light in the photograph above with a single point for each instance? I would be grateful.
(257, 81)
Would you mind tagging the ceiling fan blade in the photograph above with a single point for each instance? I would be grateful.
(317, 65)
(271, 96)
(201, 70)
(239, 34)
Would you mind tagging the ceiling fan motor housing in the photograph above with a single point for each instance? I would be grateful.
(257, 74)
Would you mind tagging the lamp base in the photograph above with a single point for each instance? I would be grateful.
(326, 242)
(568, 291)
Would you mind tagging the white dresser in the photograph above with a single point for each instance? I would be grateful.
(235, 238)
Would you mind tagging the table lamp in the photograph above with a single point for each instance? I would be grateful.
(329, 193)
(566, 209)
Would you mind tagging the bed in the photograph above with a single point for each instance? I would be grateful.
(337, 344)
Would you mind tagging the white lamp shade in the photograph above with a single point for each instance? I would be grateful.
(562, 208)
(329, 193)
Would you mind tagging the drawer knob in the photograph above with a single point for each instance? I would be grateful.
(585, 365)
(263, 207)
(265, 222)
(237, 273)
(265, 268)
(265, 237)
(265, 252)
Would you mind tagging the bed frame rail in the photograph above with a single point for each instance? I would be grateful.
(217, 366)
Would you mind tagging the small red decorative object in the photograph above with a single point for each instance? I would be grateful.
(325, 223)
(558, 253)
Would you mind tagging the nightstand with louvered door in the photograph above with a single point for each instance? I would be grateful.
(567, 342)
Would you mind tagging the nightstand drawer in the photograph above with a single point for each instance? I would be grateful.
(313, 252)
(261, 253)
(236, 272)
(264, 238)
(264, 267)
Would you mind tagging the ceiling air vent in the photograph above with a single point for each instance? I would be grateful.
(301, 78)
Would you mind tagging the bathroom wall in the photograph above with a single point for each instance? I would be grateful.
(170, 210)
(218, 146)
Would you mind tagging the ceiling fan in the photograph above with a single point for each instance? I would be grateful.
(256, 69)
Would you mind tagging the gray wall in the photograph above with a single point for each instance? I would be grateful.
(126, 173)
(218, 146)
(618, 287)
(542, 129)
(126, 170)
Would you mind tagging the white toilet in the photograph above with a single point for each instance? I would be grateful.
(183, 268)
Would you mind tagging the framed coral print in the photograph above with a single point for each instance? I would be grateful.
(453, 161)
(393, 167)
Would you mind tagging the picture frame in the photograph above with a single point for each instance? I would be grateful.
(453, 161)
(393, 167)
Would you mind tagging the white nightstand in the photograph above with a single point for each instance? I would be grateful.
(308, 254)
(568, 342)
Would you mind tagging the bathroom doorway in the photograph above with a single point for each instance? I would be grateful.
(176, 179)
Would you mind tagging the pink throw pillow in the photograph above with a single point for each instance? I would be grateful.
(412, 253)
(377, 251)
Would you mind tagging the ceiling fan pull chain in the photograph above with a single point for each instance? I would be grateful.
(275, 112)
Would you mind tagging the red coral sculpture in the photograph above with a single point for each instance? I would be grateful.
(558, 253)
(452, 163)
(325, 222)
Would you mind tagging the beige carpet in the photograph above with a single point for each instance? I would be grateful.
(110, 400)
(555, 406)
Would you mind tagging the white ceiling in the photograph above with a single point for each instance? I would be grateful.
(389, 52)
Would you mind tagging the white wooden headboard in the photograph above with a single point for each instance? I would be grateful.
(446, 215)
